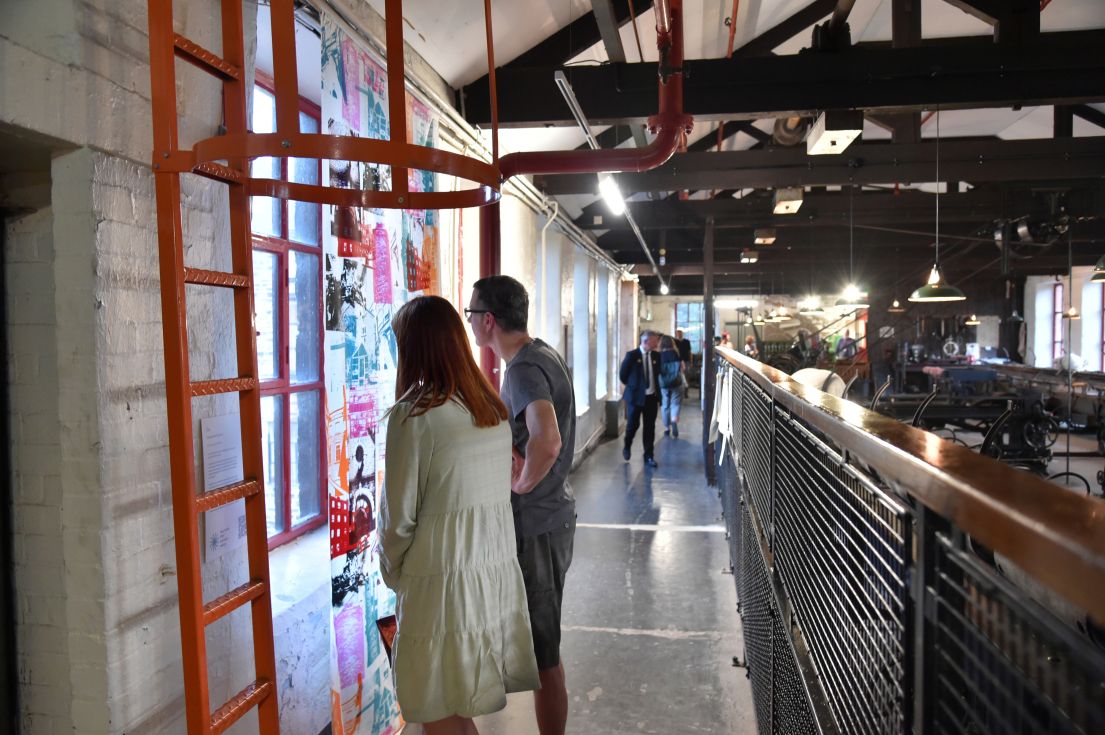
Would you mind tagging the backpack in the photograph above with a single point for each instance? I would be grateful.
(669, 374)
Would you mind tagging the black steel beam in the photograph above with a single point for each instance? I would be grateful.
(1090, 114)
(973, 161)
(871, 208)
(787, 29)
(1058, 68)
(1014, 21)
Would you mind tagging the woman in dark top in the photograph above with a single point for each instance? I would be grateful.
(671, 385)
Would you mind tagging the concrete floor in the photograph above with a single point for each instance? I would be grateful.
(650, 621)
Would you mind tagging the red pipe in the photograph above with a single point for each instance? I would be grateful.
(669, 124)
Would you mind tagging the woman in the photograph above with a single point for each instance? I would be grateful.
(447, 531)
(671, 385)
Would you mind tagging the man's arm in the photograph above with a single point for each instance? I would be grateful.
(542, 449)
(623, 372)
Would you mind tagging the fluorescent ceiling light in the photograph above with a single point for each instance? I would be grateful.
(611, 194)
(834, 131)
(787, 201)
(764, 236)
(749, 256)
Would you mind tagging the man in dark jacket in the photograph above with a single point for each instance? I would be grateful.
(639, 374)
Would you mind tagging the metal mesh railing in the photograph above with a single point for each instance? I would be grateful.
(840, 545)
(1001, 664)
(864, 610)
(756, 448)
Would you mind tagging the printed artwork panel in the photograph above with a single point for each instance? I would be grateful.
(375, 261)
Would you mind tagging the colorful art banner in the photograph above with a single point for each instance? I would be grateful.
(375, 261)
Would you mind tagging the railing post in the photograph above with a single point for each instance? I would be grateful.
(709, 357)
(923, 572)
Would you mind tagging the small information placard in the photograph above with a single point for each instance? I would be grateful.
(225, 527)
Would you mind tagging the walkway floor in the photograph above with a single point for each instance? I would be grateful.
(650, 621)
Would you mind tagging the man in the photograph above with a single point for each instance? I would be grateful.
(846, 347)
(638, 374)
(537, 391)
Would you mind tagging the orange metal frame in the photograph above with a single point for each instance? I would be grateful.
(225, 159)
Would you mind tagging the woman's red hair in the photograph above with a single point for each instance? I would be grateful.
(436, 363)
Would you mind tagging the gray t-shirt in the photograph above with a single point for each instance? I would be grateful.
(538, 373)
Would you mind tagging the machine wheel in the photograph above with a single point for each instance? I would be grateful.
(785, 362)
(1072, 480)
(1041, 433)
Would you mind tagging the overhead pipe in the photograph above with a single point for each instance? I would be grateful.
(669, 124)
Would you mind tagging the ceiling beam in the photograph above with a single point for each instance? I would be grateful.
(822, 207)
(567, 43)
(1090, 114)
(787, 29)
(1014, 21)
(1058, 68)
(872, 163)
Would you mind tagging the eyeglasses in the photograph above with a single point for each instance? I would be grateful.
(469, 312)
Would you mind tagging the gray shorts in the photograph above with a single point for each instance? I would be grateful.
(545, 560)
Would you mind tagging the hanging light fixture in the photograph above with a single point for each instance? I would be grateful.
(1099, 270)
(935, 289)
(973, 321)
(896, 305)
(852, 297)
(1072, 310)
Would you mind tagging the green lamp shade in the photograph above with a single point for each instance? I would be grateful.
(1098, 276)
(936, 290)
(1100, 266)
(932, 292)
(851, 303)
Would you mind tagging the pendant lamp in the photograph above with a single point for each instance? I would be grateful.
(896, 307)
(936, 289)
(973, 321)
(852, 297)
(1099, 271)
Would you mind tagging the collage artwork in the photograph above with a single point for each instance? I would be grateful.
(376, 260)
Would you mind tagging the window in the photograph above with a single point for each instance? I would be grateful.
(1057, 322)
(287, 294)
(581, 333)
(602, 339)
(689, 318)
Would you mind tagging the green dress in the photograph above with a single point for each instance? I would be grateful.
(448, 550)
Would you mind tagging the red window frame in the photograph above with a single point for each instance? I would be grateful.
(1057, 322)
(282, 247)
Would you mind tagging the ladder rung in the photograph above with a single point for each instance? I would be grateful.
(229, 385)
(223, 495)
(219, 172)
(215, 278)
(192, 52)
(233, 710)
(231, 601)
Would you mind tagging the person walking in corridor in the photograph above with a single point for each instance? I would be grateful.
(671, 386)
(639, 374)
(537, 391)
(446, 546)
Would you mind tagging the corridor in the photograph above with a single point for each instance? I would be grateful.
(650, 621)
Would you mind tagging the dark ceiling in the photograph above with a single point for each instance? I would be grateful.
(1052, 188)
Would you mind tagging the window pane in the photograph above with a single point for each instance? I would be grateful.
(303, 217)
(272, 455)
(305, 455)
(264, 211)
(266, 291)
(304, 319)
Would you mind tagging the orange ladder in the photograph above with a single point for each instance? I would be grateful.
(195, 615)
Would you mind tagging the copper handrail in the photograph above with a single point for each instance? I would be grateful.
(1055, 535)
